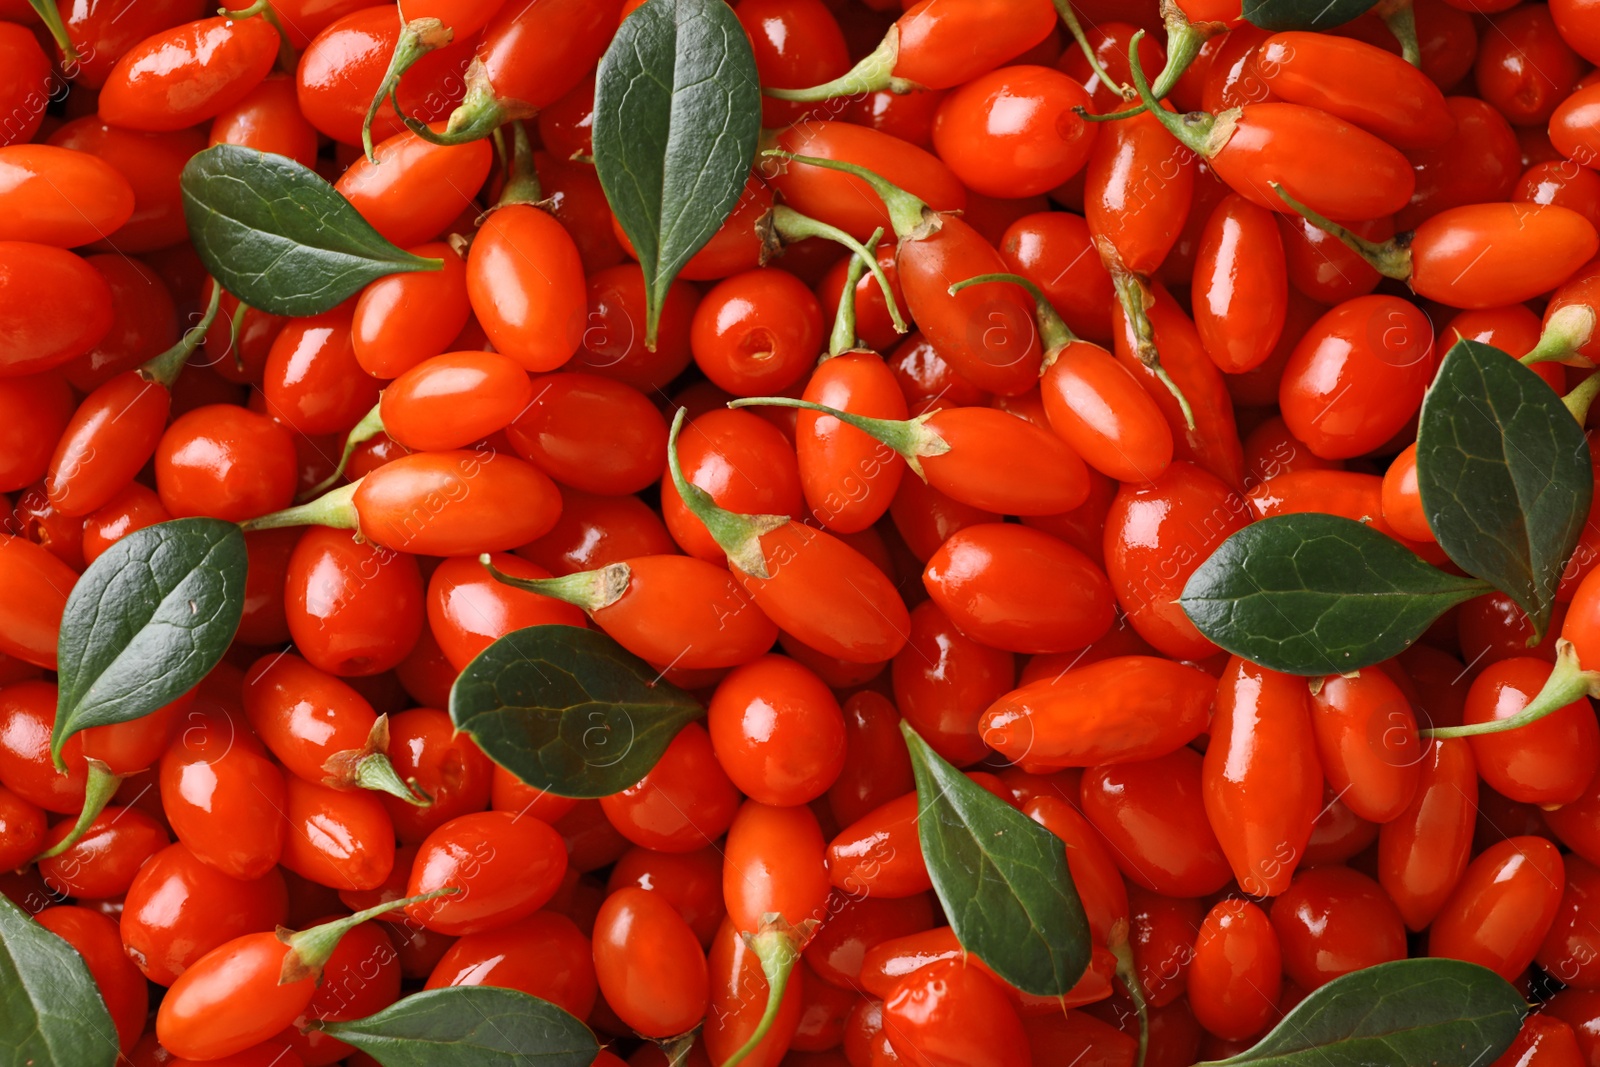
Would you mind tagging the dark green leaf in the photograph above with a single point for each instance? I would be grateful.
(280, 238)
(1302, 14)
(1409, 1013)
(471, 1026)
(147, 621)
(677, 114)
(1002, 878)
(1317, 594)
(1503, 469)
(51, 1014)
(567, 710)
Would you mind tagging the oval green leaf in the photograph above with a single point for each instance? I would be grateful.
(1503, 470)
(677, 114)
(568, 710)
(1002, 878)
(1302, 14)
(278, 237)
(1318, 594)
(470, 1026)
(147, 621)
(1444, 1013)
(51, 1014)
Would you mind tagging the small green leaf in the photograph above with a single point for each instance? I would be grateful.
(51, 1014)
(1302, 14)
(470, 1026)
(278, 237)
(147, 621)
(1439, 1012)
(567, 710)
(1318, 594)
(1504, 474)
(677, 114)
(1002, 878)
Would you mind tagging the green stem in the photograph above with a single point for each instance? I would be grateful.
(1200, 131)
(287, 61)
(50, 15)
(1064, 9)
(790, 225)
(478, 115)
(843, 337)
(1568, 330)
(368, 767)
(739, 536)
(1402, 22)
(370, 426)
(907, 214)
(1184, 39)
(334, 509)
(1391, 258)
(874, 72)
(1135, 299)
(310, 949)
(777, 946)
(1053, 329)
(912, 438)
(1129, 976)
(164, 369)
(1567, 682)
(522, 178)
(1582, 396)
(589, 590)
(417, 39)
(1116, 116)
(100, 787)
(236, 331)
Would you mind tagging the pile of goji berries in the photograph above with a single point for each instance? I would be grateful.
(799, 532)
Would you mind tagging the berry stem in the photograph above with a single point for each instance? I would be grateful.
(1568, 330)
(1184, 39)
(875, 71)
(1053, 329)
(1204, 133)
(310, 949)
(479, 114)
(912, 438)
(522, 177)
(368, 767)
(1128, 975)
(164, 369)
(1134, 297)
(417, 38)
(589, 590)
(50, 15)
(777, 945)
(1567, 682)
(370, 426)
(335, 509)
(790, 225)
(287, 61)
(843, 337)
(1391, 258)
(908, 215)
(739, 536)
(1581, 397)
(100, 788)
(1064, 9)
(1401, 19)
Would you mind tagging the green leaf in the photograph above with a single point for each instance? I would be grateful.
(1443, 1013)
(1302, 14)
(51, 1014)
(470, 1026)
(568, 710)
(1002, 878)
(278, 237)
(147, 621)
(1318, 594)
(1503, 469)
(677, 114)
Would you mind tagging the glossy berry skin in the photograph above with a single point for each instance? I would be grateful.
(1379, 348)
(37, 585)
(944, 43)
(1333, 920)
(773, 864)
(1240, 285)
(188, 74)
(738, 999)
(1004, 464)
(596, 530)
(468, 609)
(446, 765)
(683, 804)
(1019, 589)
(684, 611)
(778, 731)
(1151, 814)
(506, 868)
(456, 503)
(129, 511)
(1131, 157)
(353, 609)
(403, 319)
(713, 449)
(950, 1014)
(1503, 906)
(223, 797)
(179, 908)
(1549, 761)
(451, 400)
(415, 189)
(54, 307)
(55, 196)
(1402, 501)
(113, 433)
(22, 829)
(307, 718)
(1569, 953)
(35, 409)
(1119, 710)
(1090, 862)
(525, 281)
(649, 964)
(849, 479)
(1367, 743)
(591, 433)
(342, 839)
(28, 78)
(1012, 132)
(1478, 256)
(1155, 537)
(544, 956)
(1263, 785)
(361, 978)
(311, 382)
(1236, 972)
(757, 332)
(231, 999)
(104, 860)
(268, 119)
(1392, 99)
(225, 462)
(943, 679)
(26, 715)
(1423, 850)
(1545, 1040)
(121, 986)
